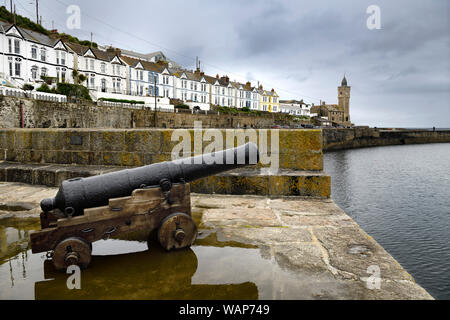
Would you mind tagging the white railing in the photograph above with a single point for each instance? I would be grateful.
(12, 92)
(53, 97)
(160, 108)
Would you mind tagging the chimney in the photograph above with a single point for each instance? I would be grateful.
(273, 90)
(114, 50)
(217, 76)
(225, 79)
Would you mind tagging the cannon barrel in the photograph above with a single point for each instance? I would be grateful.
(78, 194)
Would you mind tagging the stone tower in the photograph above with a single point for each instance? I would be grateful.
(344, 100)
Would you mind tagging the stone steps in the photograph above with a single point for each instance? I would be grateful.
(261, 181)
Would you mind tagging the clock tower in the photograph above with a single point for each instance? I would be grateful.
(344, 101)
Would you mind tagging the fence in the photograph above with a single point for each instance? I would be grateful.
(48, 96)
(134, 106)
(14, 92)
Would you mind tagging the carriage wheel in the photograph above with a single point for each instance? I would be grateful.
(177, 231)
(72, 251)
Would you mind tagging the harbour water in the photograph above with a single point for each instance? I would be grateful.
(400, 195)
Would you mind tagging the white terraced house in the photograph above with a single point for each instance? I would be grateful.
(297, 108)
(27, 55)
(193, 89)
(223, 93)
(105, 70)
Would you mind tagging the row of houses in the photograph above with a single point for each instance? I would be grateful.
(28, 57)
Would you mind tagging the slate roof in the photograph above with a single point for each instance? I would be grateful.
(149, 66)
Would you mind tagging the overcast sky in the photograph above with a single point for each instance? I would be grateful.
(400, 74)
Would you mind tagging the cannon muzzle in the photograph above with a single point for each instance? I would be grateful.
(78, 194)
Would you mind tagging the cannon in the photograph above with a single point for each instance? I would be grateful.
(149, 198)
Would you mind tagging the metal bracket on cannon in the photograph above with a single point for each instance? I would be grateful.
(165, 208)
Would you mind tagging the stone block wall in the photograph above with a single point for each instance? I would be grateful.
(45, 114)
(49, 156)
(338, 139)
(298, 149)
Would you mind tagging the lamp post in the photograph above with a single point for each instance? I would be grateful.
(3, 50)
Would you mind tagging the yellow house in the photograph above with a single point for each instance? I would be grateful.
(269, 100)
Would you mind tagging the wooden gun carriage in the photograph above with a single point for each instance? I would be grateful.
(154, 197)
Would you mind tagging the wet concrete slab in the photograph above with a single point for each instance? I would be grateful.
(249, 247)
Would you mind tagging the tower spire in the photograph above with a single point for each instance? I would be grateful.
(344, 81)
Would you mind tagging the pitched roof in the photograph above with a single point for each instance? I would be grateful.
(149, 66)
(30, 35)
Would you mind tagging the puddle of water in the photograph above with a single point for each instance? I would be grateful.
(126, 269)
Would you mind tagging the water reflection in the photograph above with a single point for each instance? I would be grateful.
(134, 269)
(151, 274)
(120, 269)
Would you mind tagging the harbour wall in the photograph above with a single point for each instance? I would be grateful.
(49, 156)
(85, 114)
(339, 139)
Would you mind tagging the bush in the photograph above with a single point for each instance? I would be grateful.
(48, 80)
(44, 88)
(28, 87)
(21, 21)
(73, 90)
(182, 106)
(122, 101)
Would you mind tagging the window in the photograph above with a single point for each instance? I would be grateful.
(57, 73)
(103, 85)
(92, 64)
(17, 73)
(10, 45)
(44, 72)
(63, 58)
(103, 68)
(63, 75)
(33, 52)
(141, 75)
(91, 82)
(11, 72)
(192, 85)
(17, 46)
(34, 72)
(43, 54)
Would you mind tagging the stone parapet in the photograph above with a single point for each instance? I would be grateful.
(238, 182)
(49, 156)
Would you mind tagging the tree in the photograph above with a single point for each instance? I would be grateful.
(78, 78)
